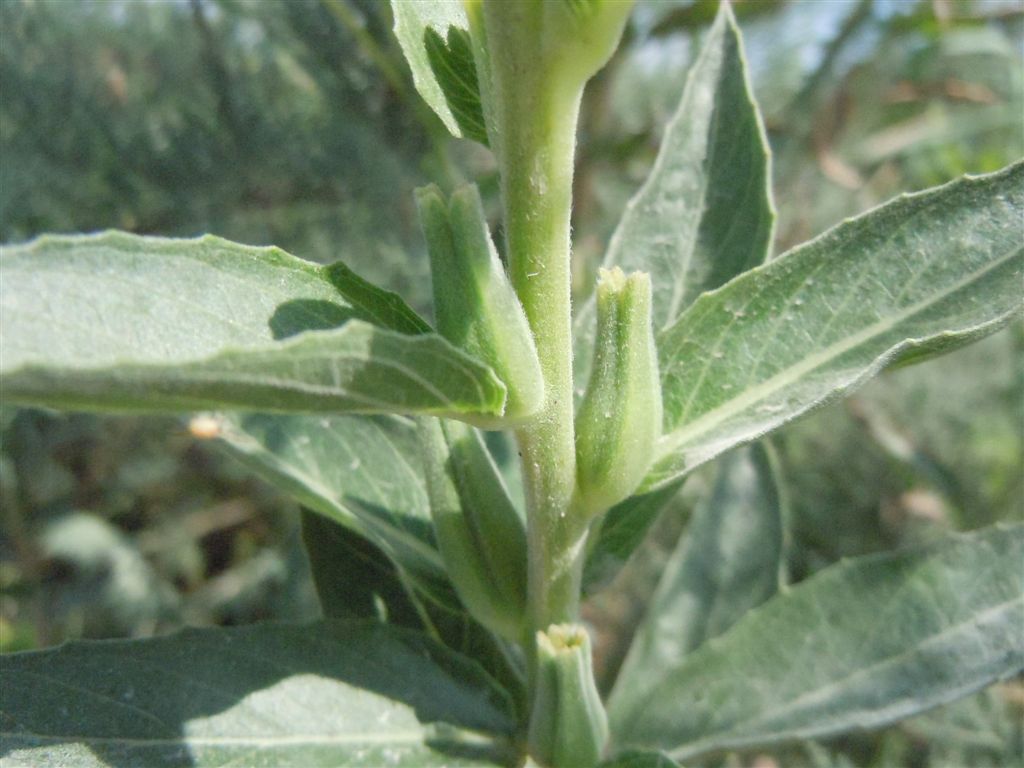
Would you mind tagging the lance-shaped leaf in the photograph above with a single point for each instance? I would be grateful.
(705, 213)
(366, 474)
(730, 560)
(434, 35)
(266, 694)
(121, 322)
(916, 277)
(860, 644)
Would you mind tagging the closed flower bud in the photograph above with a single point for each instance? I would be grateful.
(479, 532)
(620, 417)
(568, 724)
(475, 306)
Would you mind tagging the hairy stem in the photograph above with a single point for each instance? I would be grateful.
(534, 127)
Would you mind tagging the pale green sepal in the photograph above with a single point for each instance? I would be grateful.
(475, 306)
(568, 724)
(619, 420)
(479, 532)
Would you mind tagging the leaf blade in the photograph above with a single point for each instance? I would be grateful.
(121, 322)
(296, 695)
(799, 335)
(705, 213)
(730, 560)
(365, 473)
(434, 36)
(861, 644)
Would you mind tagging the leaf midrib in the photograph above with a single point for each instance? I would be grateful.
(751, 396)
(721, 737)
(353, 739)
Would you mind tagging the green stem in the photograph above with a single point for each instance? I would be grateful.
(534, 127)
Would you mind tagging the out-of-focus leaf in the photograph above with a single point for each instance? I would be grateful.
(861, 644)
(730, 561)
(620, 533)
(641, 760)
(121, 322)
(434, 35)
(919, 276)
(705, 213)
(269, 694)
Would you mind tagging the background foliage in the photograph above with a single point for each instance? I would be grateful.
(295, 124)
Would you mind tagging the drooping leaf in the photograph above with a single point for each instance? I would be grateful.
(861, 644)
(366, 474)
(363, 472)
(921, 275)
(730, 561)
(121, 322)
(338, 693)
(705, 212)
(434, 35)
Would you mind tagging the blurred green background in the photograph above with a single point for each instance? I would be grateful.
(295, 123)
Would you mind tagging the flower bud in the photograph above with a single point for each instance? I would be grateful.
(568, 724)
(620, 417)
(475, 306)
(479, 532)
(588, 32)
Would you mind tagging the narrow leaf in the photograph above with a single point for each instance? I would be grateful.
(121, 322)
(340, 693)
(705, 213)
(366, 474)
(859, 645)
(730, 561)
(921, 275)
(362, 472)
(434, 35)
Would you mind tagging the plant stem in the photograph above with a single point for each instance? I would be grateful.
(534, 126)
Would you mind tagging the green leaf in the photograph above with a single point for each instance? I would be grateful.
(366, 474)
(860, 644)
(340, 693)
(434, 35)
(620, 532)
(121, 322)
(730, 561)
(705, 212)
(641, 760)
(921, 275)
(354, 579)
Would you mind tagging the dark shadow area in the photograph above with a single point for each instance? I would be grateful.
(354, 578)
(298, 315)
